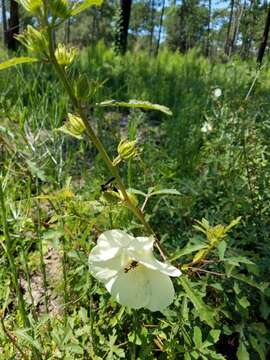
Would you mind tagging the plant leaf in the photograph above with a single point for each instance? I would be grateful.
(165, 192)
(146, 105)
(79, 7)
(188, 249)
(261, 286)
(242, 353)
(22, 334)
(17, 61)
(197, 337)
(204, 311)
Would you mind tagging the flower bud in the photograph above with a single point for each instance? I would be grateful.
(126, 151)
(74, 126)
(32, 6)
(65, 56)
(35, 41)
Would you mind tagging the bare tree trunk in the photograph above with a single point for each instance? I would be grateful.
(4, 19)
(228, 37)
(160, 25)
(262, 47)
(67, 31)
(13, 26)
(207, 50)
(152, 7)
(238, 18)
(123, 25)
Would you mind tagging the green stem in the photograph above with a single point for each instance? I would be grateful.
(96, 141)
(13, 269)
(42, 265)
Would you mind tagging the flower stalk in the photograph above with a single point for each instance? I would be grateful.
(96, 141)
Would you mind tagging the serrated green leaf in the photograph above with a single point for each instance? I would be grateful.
(146, 105)
(236, 260)
(261, 286)
(205, 313)
(188, 249)
(17, 61)
(79, 7)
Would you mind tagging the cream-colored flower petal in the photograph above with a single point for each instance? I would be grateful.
(151, 263)
(130, 288)
(110, 244)
(141, 250)
(114, 238)
(99, 253)
(105, 270)
(160, 290)
(143, 243)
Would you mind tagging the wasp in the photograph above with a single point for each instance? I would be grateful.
(131, 266)
(108, 185)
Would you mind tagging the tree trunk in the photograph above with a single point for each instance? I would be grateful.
(152, 22)
(228, 37)
(4, 19)
(67, 31)
(238, 18)
(207, 50)
(122, 26)
(262, 47)
(13, 26)
(160, 25)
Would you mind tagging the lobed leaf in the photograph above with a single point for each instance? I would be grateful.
(204, 311)
(146, 105)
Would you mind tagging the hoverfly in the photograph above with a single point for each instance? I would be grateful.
(131, 266)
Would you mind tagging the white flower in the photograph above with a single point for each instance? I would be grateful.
(127, 267)
(217, 92)
(207, 127)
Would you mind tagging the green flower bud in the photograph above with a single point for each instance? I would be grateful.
(65, 56)
(126, 151)
(32, 6)
(74, 126)
(35, 41)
